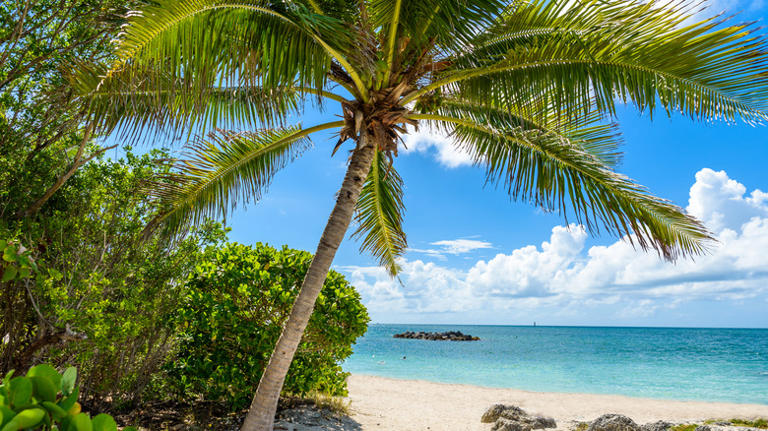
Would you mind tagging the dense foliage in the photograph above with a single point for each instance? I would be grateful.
(83, 281)
(236, 301)
(101, 289)
(47, 400)
(43, 135)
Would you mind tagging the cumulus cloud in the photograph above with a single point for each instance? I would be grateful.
(443, 147)
(721, 202)
(564, 273)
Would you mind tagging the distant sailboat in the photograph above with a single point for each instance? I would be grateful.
(534, 324)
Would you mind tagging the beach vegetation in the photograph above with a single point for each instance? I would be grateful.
(91, 290)
(235, 302)
(581, 426)
(82, 281)
(753, 423)
(761, 423)
(528, 89)
(44, 399)
(339, 405)
(684, 427)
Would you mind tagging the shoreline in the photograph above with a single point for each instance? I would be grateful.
(384, 403)
(503, 388)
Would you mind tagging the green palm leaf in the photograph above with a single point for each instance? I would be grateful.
(450, 24)
(704, 70)
(269, 44)
(223, 170)
(550, 172)
(380, 214)
(152, 101)
(581, 128)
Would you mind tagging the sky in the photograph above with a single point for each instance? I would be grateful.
(476, 257)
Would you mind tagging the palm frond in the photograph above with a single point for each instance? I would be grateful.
(270, 43)
(145, 102)
(705, 70)
(223, 170)
(550, 173)
(582, 128)
(380, 213)
(450, 23)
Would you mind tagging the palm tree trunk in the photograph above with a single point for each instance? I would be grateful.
(261, 415)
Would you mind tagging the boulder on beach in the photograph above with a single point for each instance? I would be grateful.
(513, 418)
(493, 413)
(503, 424)
(613, 422)
(542, 422)
(656, 426)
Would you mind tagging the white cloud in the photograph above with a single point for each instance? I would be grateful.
(561, 273)
(444, 148)
(452, 247)
(461, 246)
(720, 202)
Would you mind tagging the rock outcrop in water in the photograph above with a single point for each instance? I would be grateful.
(513, 418)
(437, 336)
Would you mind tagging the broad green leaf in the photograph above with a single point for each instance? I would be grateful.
(104, 422)
(44, 388)
(12, 425)
(7, 414)
(81, 422)
(9, 254)
(30, 417)
(21, 390)
(47, 371)
(56, 411)
(68, 380)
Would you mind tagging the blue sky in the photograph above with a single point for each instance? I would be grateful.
(476, 257)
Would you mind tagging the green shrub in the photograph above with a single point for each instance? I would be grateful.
(47, 400)
(82, 285)
(237, 300)
(757, 423)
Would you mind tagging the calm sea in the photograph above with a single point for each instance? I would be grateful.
(688, 364)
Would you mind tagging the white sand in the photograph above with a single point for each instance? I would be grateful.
(379, 403)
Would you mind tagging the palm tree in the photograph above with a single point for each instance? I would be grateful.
(527, 88)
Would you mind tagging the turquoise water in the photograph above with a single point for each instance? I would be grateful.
(689, 364)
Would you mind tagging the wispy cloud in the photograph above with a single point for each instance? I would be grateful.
(453, 247)
(461, 246)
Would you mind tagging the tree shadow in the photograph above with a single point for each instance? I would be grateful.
(308, 418)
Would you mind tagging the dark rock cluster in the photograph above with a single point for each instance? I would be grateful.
(613, 422)
(437, 336)
(513, 418)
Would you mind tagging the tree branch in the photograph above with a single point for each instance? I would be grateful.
(76, 164)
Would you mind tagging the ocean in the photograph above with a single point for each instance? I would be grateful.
(729, 365)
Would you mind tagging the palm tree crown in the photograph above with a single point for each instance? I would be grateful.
(526, 87)
(523, 86)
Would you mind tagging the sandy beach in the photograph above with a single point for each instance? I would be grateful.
(379, 403)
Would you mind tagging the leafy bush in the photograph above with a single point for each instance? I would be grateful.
(237, 300)
(45, 399)
(16, 263)
(81, 285)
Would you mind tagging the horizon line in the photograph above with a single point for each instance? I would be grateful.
(570, 326)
